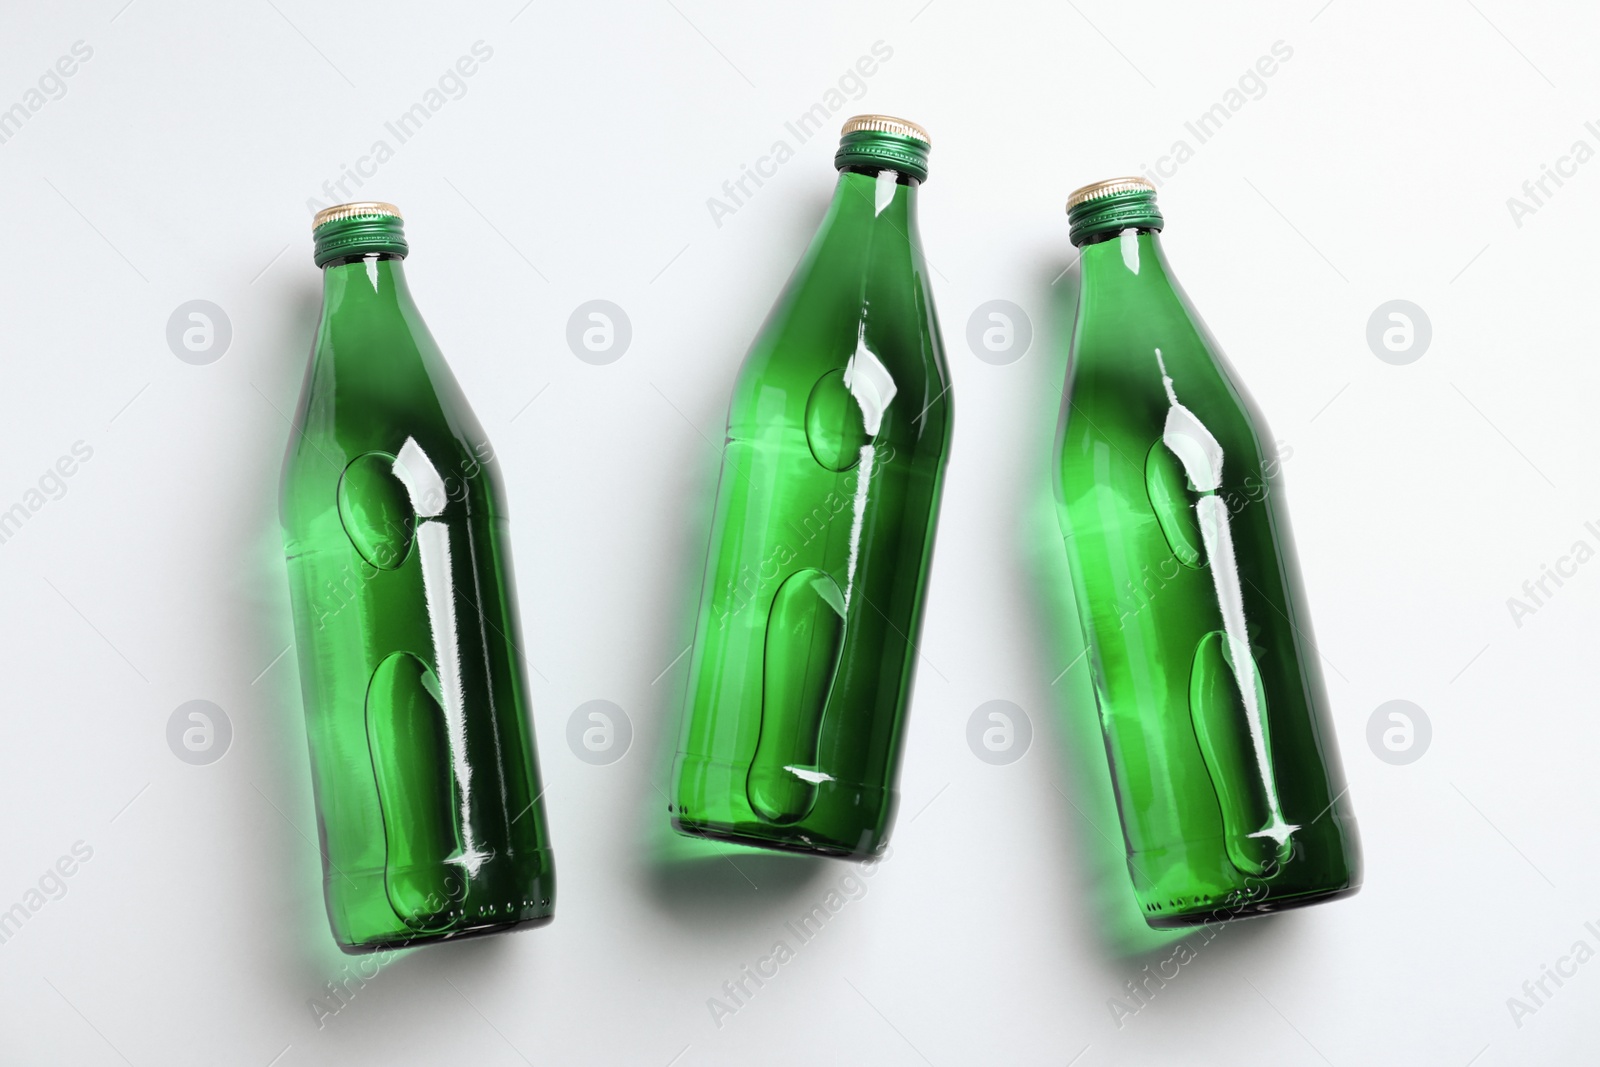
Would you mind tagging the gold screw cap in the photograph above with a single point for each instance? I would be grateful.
(358, 209)
(886, 124)
(1109, 187)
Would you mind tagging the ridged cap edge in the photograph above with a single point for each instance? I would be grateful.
(355, 210)
(1108, 187)
(886, 124)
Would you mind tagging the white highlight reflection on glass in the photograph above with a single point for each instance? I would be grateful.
(1201, 455)
(870, 382)
(873, 388)
(427, 491)
(883, 192)
(1128, 244)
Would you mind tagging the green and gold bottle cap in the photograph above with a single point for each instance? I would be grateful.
(1113, 204)
(357, 228)
(884, 141)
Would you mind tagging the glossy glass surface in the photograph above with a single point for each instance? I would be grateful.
(1208, 680)
(824, 525)
(422, 759)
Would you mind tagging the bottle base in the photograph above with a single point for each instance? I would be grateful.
(1225, 912)
(393, 943)
(510, 891)
(793, 839)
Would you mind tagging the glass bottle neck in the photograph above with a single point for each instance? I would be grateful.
(1123, 264)
(369, 281)
(869, 197)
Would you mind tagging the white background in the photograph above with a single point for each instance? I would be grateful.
(1376, 165)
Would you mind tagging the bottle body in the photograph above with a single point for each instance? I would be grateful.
(805, 642)
(427, 786)
(1206, 675)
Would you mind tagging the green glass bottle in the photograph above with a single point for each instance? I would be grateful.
(838, 434)
(394, 524)
(1211, 698)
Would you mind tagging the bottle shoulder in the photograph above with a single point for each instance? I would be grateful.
(882, 335)
(1129, 381)
(855, 319)
(417, 479)
(413, 416)
(897, 389)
